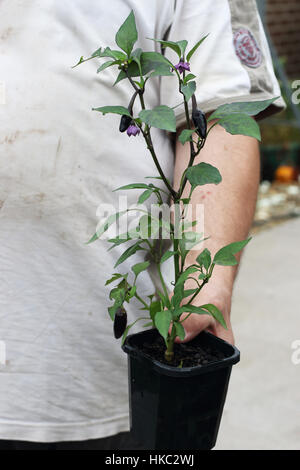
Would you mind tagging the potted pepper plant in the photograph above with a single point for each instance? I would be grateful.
(177, 391)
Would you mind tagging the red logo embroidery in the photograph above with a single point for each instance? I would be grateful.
(246, 48)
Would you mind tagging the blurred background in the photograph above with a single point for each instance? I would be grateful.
(263, 406)
(280, 151)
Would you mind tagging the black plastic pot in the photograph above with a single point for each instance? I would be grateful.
(175, 408)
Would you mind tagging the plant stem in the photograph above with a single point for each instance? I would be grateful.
(148, 139)
(198, 290)
(141, 300)
(193, 152)
(169, 353)
(132, 82)
(162, 281)
(205, 281)
(176, 240)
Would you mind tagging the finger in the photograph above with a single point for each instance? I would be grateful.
(193, 325)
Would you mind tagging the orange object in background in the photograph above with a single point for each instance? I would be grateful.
(286, 174)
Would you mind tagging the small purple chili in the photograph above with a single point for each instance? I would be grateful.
(120, 322)
(125, 123)
(182, 66)
(133, 130)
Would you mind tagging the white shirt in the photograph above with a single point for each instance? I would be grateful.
(65, 377)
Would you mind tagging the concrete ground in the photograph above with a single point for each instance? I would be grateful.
(262, 410)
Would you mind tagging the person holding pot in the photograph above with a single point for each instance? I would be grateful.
(63, 383)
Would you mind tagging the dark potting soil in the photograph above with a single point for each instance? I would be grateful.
(185, 354)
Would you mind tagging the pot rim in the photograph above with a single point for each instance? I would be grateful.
(231, 359)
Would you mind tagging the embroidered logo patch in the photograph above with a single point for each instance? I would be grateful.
(246, 48)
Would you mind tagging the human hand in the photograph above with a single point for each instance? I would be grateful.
(218, 295)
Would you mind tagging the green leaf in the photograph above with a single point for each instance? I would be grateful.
(189, 292)
(113, 109)
(118, 295)
(140, 84)
(155, 307)
(251, 108)
(128, 328)
(143, 197)
(162, 322)
(97, 53)
(225, 256)
(188, 224)
(164, 300)
(127, 35)
(226, 260)
(132, 292)
(134, 186)
(203, 173)
(112, 311)
(126, 332)
(204, 259)
(215, 312)
(106, 65)
(195, 48)
(177, 295)
(81, 60)
(204, 310)
(136, 56)
(179, 47)
(129, 252)
(113, 278)
(122, 75)
(162, 70)
(148, 227)
(154, 177)
(185, 135)
(117, 55)
(182, 44)
(149, 61)
(180, 332)
(123, 238)
(172, 45)
(188, 90)
(152, 60)
(139, 267)
(147, 325)
(189, 77)
(161, 117)
(105, 226)
(188, 241)
(183, 277)
(191, 309)
(240, 124)
(235, 247)
(168, 254)
(93, 239)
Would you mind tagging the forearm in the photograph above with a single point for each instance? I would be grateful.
(228, 207)
(228, 214)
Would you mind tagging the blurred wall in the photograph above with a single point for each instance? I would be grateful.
(282, 18)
